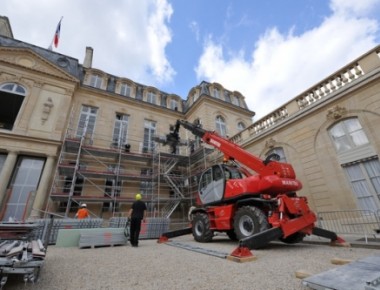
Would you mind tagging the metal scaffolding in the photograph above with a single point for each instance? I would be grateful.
(106, 174)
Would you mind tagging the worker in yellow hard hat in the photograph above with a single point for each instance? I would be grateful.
(137, 214)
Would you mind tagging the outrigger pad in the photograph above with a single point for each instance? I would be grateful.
(261, 239)
(241, 255)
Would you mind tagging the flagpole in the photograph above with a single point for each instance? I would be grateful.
(54, 36)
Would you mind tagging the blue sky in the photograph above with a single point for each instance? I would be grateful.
(270, 51)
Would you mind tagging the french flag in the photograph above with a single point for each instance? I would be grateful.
(57, 33)
(56, 36)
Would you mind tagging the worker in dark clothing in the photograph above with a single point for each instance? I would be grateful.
(137, 213)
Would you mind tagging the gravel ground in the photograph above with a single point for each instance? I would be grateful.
(161, 266)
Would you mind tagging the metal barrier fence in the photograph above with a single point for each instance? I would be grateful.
(153, 228)
(362, 223)
(58, 224)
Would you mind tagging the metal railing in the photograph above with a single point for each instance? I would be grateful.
(363, 223)
(65, 223)
(48, 229)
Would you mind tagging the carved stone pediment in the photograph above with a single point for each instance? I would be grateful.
(28, 59)
(336, 113)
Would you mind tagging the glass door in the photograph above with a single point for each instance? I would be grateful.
(25, 180)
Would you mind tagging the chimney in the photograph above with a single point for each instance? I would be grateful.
(5, 27)
(88, 57)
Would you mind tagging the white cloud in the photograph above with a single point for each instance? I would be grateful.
(353, 7)
(194, 27)
(284, 65)
(128, 39)
(158, 37)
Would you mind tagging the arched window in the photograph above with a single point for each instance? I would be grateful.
(13, 88)
(348, 134)
(362, 169)
(11, 97)
(240, 126)
(279, 151)
(220, 125)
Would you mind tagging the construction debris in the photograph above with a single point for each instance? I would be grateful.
(10, 230)
(20, 253)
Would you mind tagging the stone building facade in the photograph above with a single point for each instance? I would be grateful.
(71, 133)
(48, 100)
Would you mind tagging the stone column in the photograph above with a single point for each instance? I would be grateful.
(6, 175)
(43, 188)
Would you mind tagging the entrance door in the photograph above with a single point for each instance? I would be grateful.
(25, 179)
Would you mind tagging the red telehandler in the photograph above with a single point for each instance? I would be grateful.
(252, 208)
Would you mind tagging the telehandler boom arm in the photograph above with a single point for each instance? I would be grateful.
(233, 151)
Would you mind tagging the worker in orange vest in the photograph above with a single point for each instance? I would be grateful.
(82, 212)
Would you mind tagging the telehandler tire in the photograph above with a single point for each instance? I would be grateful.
(249, 220)
(201, 228)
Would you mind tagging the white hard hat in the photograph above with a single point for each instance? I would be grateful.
(84, 205)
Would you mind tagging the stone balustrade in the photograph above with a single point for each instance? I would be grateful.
(329, 86)
(323, 90)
